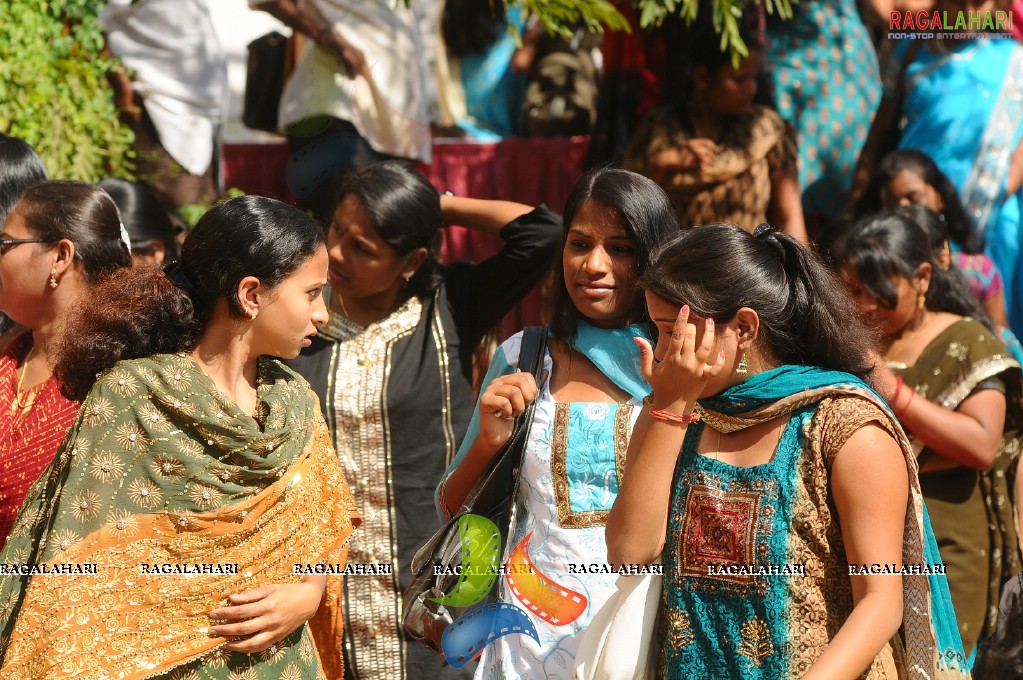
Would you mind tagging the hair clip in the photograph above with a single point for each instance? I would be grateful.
(765, 232)
(125, 239)
(178, 277)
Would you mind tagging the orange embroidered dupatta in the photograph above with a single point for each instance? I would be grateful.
(164, 499)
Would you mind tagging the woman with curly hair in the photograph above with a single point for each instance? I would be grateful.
(194, 453)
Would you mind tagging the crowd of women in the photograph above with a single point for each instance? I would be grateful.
(184, 419)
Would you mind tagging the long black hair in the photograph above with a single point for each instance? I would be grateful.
(146, 313)
(890, 245)
(806, 315)
(642, 208)
(20, 168)
(405, 210)
(961, 228)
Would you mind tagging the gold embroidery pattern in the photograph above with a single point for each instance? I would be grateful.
(567, 517)
(106, 467)
(980, 371)
(96, 625)
(719, 528)
(440, 340)
(680, 630)
(756, 643)
(721, 523)
(373, 639)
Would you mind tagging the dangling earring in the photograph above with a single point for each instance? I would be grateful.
(743, 367)
(53, 278)
(406, 277)
(921, 300)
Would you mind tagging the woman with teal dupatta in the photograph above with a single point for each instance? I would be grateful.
(163, 539)
(586, 406)
(774, 481)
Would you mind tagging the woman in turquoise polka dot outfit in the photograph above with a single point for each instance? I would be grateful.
(827, 86)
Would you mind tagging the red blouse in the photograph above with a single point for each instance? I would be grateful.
(27, 442)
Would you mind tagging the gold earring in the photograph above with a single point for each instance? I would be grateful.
(921, 300)
(53, 278)
(743, 367)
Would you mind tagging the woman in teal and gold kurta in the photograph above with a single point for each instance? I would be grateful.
(162, 541)
(776, 484)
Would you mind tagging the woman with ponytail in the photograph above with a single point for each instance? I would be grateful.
(770, 477)
(194, 453)
(956, 390)
(57, 242)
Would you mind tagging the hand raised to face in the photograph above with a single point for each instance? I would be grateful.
(680, 376)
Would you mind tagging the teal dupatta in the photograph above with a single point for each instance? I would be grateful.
(612, 350)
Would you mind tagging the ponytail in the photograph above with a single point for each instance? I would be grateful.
(806, 317)
(152, 311)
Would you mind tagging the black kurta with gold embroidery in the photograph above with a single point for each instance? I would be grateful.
(397, 396)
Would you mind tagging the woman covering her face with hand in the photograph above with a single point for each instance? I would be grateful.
(585, 409)
(193, 451)
(762, 448)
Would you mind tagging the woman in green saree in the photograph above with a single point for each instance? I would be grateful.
(956, 390)
(175, 532)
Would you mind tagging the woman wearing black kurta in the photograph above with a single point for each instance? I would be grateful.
(393, 368)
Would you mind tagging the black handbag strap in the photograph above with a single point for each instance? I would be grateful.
(531, 355)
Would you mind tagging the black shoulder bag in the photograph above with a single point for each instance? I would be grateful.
(493, 496)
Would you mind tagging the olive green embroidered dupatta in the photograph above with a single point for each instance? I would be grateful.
(948, 370)
(160, 468)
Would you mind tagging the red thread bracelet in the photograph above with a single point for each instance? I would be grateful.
(669, 417)
(898, 390)
(902, 411)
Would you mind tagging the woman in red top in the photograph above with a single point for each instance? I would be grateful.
(57, 241)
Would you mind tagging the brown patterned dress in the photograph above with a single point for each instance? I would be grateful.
(736, 187)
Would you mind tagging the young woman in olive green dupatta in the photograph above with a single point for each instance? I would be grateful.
(956, 390)
(163, 539)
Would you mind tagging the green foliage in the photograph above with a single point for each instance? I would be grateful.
(559, 17)
(192, 212)
(727, 15)
(54, 89)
